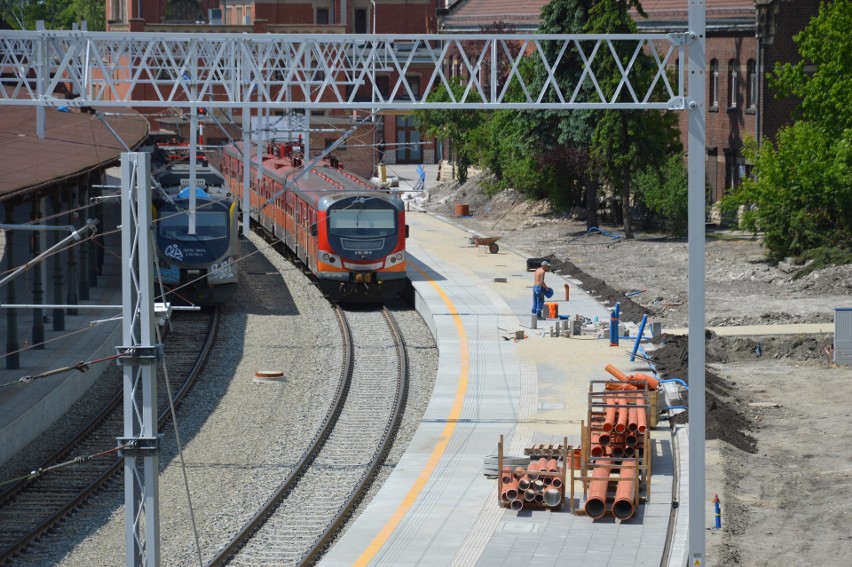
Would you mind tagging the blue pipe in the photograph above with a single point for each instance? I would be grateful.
(718, 511)
(638, 337)
(613, 325)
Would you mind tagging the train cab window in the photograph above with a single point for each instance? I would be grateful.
(210, 225)
(362, 222)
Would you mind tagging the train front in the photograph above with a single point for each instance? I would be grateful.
(200, 267)
(361, 247)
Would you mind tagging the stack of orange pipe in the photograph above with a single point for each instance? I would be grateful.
(540, 483)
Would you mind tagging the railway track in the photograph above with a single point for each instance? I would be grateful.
(306, 512)
(31, 507)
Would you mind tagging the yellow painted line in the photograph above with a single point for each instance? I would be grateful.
(438, 452)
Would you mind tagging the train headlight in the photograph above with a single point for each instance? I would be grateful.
(329, 258)
(394, 259)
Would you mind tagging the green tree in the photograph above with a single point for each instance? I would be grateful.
(56, 14)
(625, 141)
(822, 79)
(562, 137)
(664, 192)
(456, 125)
(801, 195)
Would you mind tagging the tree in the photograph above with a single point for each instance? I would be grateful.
(625, 141)
(822, 79)
(562, 137)
(801, 193)
(56, 14)
(664, 192)
(457, 126)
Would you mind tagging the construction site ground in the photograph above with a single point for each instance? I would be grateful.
(776, 405)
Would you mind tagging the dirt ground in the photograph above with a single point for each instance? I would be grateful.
(776, 453)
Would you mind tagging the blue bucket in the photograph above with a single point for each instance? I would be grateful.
(549, 293)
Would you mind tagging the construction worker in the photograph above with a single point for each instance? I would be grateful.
(539, 289)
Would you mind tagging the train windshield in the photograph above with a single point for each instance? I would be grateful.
(209, 225)
(362, 222)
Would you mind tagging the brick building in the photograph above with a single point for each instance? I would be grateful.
(745, 38)
(395, 129)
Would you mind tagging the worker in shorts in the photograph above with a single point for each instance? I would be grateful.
(539, 289)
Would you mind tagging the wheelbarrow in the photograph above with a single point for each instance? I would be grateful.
(489, 241)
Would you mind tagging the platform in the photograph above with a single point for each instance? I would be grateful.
(92, 333)
(438, 507)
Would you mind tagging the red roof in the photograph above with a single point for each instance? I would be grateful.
(525, 13)
(74, 143)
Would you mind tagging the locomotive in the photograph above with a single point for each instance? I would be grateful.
(349, 234)
(195, 267)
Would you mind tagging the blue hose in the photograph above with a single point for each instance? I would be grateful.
(596, 229)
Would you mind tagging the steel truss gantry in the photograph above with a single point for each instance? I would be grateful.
(340, 71)
(263, 71)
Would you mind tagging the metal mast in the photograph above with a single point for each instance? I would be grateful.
(140, 444)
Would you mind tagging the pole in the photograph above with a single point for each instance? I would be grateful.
(141, 440)
(695, 161)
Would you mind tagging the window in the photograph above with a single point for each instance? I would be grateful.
(322, 16)
(714, 84)
(248, 15)
(382, 86)
(360, 20)
(732, 84)
(117, 11)
(751, 94)
(412, 82)
(239, 12)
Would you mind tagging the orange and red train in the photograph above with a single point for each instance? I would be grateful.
(348, 233)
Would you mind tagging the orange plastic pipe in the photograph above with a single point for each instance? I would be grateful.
(616, 372)
(510, 492)
(632, 418)
(621, 386)
(524, 482)
(520, 471)
(653, 383)
(623, 507)
(609, 419)
(596, 503)
(621, 420)
(507, 477)
(532, 470)
(641, 420)
(517, 504)
(552, 497)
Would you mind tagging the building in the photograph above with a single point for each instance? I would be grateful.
(745, 38)
(393, 129)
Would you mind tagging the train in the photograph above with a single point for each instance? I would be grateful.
(197, 267)
(349, 234)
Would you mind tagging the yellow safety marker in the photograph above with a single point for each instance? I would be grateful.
(438, 452)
